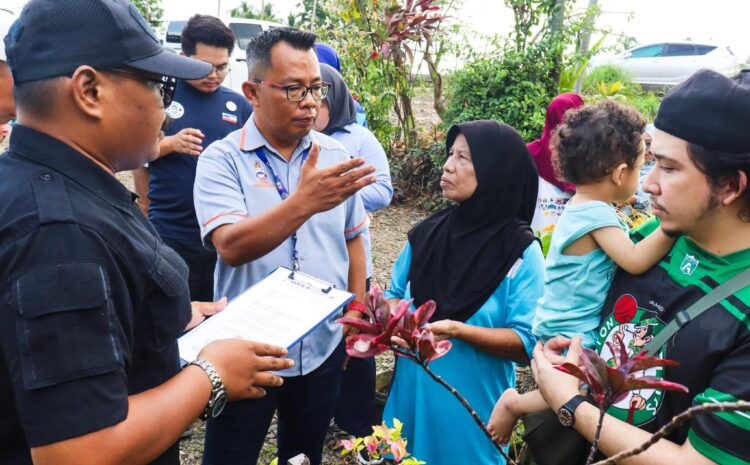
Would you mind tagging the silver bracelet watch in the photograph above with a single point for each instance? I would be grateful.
(218, 399)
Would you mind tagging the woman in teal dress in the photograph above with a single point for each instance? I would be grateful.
(481, 264)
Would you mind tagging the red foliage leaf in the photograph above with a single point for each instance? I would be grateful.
(653, 382)
(595, 369)
(362, 325)
(573, 370)
(641, 363)
(365, 346)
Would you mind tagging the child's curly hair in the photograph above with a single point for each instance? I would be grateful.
(595, 139)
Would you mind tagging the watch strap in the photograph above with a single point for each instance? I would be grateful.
(217, 386)
(566, 413)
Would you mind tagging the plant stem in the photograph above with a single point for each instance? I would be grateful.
(739, 406)
(596, 436)
(471, 411)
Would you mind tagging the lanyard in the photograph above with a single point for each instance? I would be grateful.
(284, 194)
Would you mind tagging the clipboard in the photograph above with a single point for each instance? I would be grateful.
(281, 310)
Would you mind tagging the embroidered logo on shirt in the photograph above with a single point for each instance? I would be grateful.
(175, 110)
(689, 265)
(635, 327)
(229, 118)
(231, 106)
(261, 176)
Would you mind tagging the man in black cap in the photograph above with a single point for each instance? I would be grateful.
(91, 300)
(699, 192)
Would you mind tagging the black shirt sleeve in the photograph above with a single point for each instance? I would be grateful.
(61, 336)
(723, 436)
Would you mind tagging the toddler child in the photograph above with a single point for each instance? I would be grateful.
(600, 149)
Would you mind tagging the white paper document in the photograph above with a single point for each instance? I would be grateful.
(280, 310)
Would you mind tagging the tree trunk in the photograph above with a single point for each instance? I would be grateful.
(437, 78)
(555, 26)
(583, 47)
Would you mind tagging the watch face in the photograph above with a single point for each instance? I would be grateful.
(565, 417)
(218, 405)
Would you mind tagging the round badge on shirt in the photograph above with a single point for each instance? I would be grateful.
(175, 110)
(231, 106)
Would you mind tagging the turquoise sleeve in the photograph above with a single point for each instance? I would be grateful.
(526, 287)
(400, 275)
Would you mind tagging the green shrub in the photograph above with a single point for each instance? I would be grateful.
(607, 74)
(629, 92)
(647, 103)
(416, 174)
(514, 89)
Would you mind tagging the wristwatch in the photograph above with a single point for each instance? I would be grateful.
(566, 413)
(218, 399)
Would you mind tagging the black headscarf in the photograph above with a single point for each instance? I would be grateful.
(341, 106)
(460, 255)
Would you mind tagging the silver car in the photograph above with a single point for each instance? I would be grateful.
(669, 63)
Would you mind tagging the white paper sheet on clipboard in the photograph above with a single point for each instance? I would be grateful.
(280, 310)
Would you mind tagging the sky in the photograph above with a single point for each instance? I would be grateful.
(720, 22)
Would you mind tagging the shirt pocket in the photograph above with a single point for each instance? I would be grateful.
(169, 306)
(66, 327)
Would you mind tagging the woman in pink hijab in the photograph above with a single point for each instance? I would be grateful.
(539, 148)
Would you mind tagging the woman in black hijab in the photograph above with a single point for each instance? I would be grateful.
(481, 264)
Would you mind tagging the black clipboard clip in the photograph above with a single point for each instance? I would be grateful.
(324, 290)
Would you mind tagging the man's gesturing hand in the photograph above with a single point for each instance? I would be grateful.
(243, 366)
(188, 141)
(325, 188)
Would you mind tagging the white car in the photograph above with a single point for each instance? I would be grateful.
(244, 30)
(670, 63)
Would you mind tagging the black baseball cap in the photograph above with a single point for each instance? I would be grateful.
(54, 37)
(710, 110)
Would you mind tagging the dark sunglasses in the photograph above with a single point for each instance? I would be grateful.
(167, 85)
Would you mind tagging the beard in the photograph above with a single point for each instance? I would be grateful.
(712, 204)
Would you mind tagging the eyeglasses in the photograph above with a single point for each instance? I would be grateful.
(221, 70)
(167, 85)
(297, 93)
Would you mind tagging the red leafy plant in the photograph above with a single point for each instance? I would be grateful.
(376, 335)
(609, 385)
(407, 335)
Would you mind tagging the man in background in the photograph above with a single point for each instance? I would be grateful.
(202, 112)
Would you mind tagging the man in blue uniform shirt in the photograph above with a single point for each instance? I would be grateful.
(202, 112)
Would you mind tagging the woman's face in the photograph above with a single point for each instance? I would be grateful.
(459, 180)
(324, 116)
(647, 140)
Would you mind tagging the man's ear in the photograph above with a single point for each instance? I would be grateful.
(618, 174)
(87, 88)
(250, 91)
(734, 188)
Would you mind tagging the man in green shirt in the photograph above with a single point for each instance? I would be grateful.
(699, 193)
